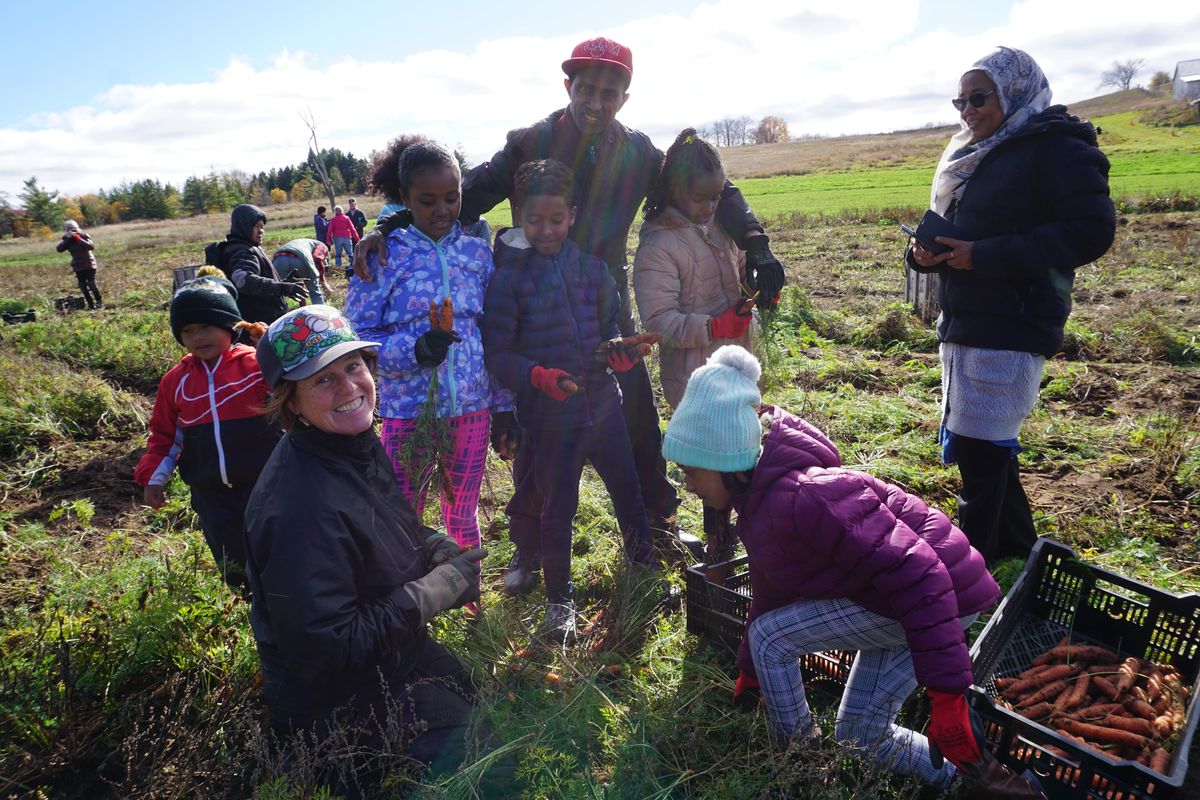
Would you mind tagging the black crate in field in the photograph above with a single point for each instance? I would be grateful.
(1060, 596)
(718, 600)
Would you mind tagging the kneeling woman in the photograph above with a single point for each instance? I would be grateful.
(838, 560)
(344, 577)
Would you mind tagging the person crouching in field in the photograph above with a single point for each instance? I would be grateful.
(548, 309)
(838, 560)
(687, 282)
(83, 262)
(208, 420)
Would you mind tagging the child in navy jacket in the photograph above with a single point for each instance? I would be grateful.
(548, 314)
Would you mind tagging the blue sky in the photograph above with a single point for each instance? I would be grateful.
(127, 90)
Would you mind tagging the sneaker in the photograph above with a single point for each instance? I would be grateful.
(560, 621)
(521, 578)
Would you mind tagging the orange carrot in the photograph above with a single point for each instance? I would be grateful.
(447, 314)
(1140, 708)
(1047, 676)
(1038, 713)
(434, 322)
(1105, 685)
(1136, 725)
(1073, 698)
(1077, 652)
(1128, 673)
(1045, 693)
(1160, 761)
(1103, 735)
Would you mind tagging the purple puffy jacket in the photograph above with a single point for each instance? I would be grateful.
(813, 531)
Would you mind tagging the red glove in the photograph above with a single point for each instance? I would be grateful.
(746, 693)
(556, 384)
(950, 729)
(732, 323)
(622, 359)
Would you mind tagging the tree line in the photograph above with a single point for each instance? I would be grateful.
(205, 194)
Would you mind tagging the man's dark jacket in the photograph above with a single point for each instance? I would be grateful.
(608, 190)
(1037, 208)
(260, 296)
(551, 311)
(359, 219)
(331, 542)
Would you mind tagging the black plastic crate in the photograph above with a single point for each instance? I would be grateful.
(1058, 595)
(718, 600)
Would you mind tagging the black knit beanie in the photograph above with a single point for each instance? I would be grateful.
(209, 300)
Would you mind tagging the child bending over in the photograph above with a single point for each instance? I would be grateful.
(208, 419)
(549, 311)
(838, 560)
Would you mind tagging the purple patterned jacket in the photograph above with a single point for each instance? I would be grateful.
(813, 531)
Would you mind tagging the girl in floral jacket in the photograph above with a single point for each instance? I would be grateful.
(428, 262)
(838, 560)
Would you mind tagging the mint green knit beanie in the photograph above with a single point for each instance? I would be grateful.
(716, 424)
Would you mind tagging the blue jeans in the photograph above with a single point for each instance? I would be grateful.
(341, 243)
(558, 459)
(288, 265)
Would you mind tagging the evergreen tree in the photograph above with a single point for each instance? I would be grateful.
(45, 207)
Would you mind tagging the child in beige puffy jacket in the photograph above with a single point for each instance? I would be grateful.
(687, 282)
(686, 274)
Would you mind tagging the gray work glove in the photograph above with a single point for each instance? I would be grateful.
(447, 586)
(439, 548)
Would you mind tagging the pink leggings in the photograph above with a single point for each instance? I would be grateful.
(469, 437)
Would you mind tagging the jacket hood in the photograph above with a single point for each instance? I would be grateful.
(669, 220)
(243, 219)
(791, 444)
(1056, 119)
(513, 248)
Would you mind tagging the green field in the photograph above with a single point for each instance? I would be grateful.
(1145, 161)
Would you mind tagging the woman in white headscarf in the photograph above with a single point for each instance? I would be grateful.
(1027, 187)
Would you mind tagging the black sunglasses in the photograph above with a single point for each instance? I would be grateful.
(976, 99)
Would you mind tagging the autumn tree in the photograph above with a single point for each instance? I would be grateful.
(1122, 73)
(771, 130)
(1160, 83)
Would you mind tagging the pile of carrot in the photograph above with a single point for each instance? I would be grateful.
(1123, 708)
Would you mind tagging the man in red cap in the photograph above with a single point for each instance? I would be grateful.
(614, 168)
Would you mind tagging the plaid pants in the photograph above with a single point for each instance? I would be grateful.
(880, 681)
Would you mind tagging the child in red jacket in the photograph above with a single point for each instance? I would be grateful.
(208, 420)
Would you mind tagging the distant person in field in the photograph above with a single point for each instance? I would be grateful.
(208, 421)
(838, 560)
(344, 577)
(320, 224)
(1026, 184)
(261, 295)
(547, 311)
(83, 262)
(687, 279)
(429, 262)
(304, 258)
(614, 168)
(357, 217)
(342, 236)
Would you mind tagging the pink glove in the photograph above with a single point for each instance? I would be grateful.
(950, 729)
(556, 384)
(731, 323)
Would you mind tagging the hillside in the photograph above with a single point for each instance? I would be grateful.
(898, 148)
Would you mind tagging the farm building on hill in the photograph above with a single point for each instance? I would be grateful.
(1186, 83)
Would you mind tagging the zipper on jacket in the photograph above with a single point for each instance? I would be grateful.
(451, 383)
(216, 421)
(562, 285)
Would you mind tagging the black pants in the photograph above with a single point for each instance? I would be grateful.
(222, 513)
(86, 278)
(558, 459)
(993, 510)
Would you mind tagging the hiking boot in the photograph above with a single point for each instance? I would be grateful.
(560, 621)
(521, 577)
(670, 538)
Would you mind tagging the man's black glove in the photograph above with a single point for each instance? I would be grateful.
(432, 346)
(293, 289)
(506, 434)
(397, 219)
(764, 273)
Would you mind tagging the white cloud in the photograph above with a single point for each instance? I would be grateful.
(858, 66)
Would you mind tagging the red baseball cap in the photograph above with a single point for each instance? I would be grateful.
(599, 52)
